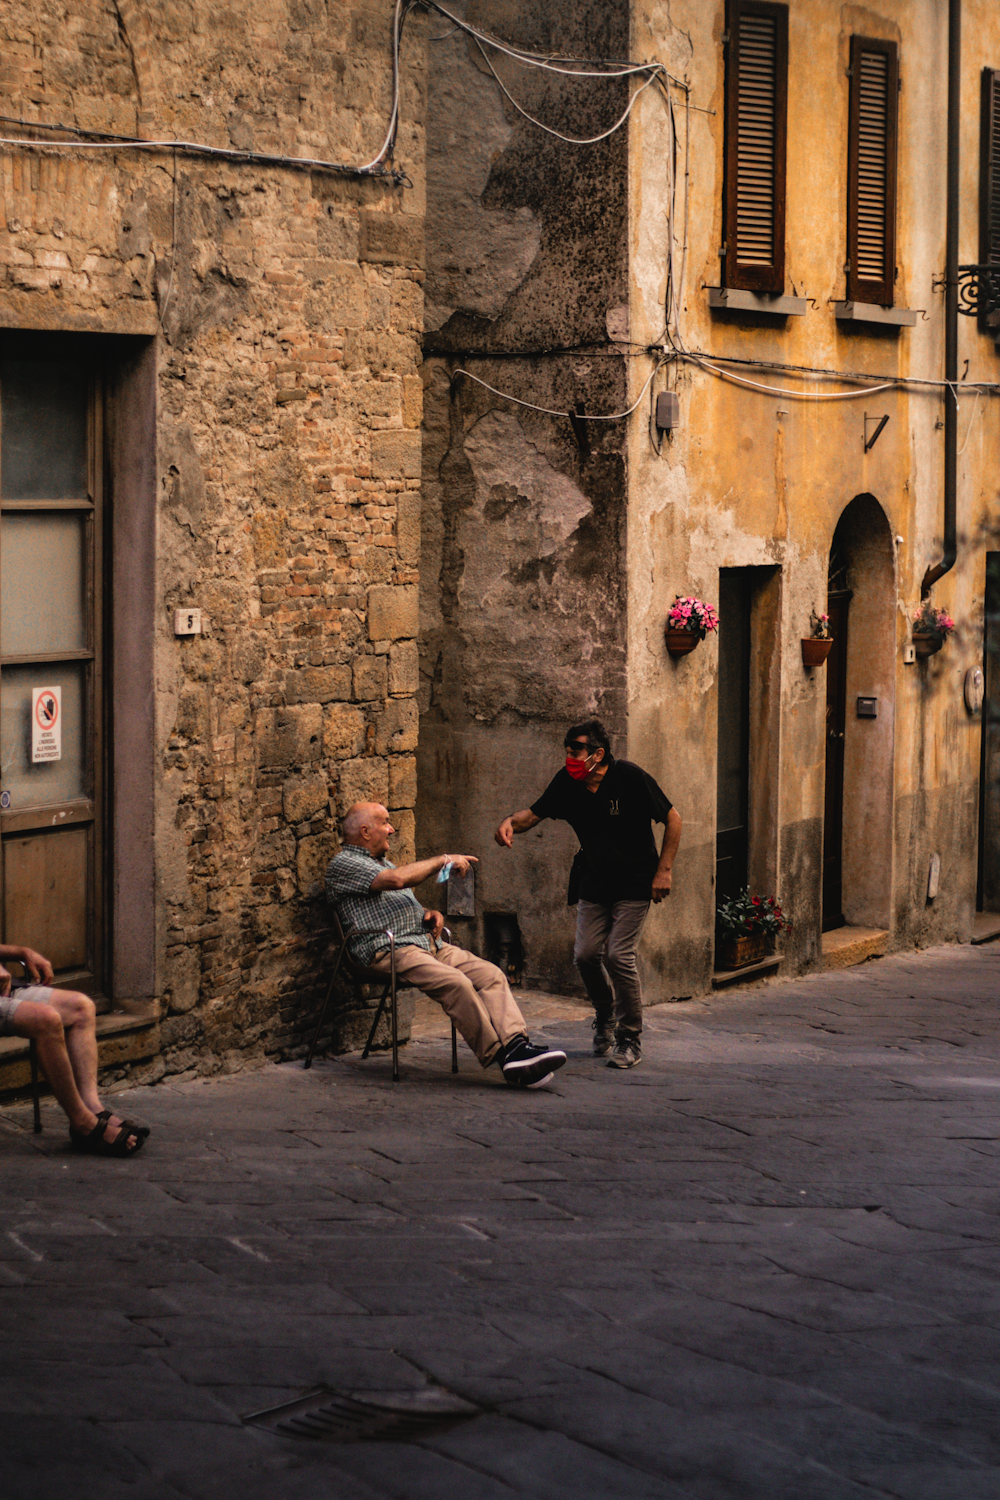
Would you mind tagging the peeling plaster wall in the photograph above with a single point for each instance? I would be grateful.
(749, 480)
(523, 598)
(281, 313)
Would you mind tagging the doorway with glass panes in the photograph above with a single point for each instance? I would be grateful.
(52, 636)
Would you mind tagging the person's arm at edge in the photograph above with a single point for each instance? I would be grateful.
(36, 964)
(405, 876)
(664, 871)
(518, 822)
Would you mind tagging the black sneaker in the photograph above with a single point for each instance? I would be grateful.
(604, 1037)
(527, 1066)
(628, 1050)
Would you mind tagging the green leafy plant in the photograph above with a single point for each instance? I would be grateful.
(751, 916)
(820, 626)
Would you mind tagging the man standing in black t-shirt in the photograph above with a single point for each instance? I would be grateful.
(611, 806)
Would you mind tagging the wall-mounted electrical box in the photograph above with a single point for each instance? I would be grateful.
(668, 411)
(867, 708)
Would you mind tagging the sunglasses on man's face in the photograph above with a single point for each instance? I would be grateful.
(579, 747)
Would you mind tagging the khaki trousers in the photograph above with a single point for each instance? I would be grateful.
(471, 992)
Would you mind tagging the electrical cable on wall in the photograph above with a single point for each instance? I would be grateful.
(378, 166)
(549, 411)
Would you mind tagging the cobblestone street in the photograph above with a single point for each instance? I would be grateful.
(765, 1264)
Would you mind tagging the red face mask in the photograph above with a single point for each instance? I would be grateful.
(578, 769)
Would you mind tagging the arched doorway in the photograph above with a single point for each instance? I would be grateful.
(860, 704)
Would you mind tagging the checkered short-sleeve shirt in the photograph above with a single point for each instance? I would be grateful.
(367, 914)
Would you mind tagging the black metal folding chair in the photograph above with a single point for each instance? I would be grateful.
(361, 974)
(33, 1059)
(15, 963)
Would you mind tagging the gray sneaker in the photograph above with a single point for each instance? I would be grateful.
(604, 1037)
(628, 1050)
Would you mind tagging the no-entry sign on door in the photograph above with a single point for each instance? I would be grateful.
(46, 723)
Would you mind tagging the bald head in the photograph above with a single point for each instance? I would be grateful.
(367, 824)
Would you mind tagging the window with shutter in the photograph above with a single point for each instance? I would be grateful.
(871, 171)
(989, 187)
(756, 110)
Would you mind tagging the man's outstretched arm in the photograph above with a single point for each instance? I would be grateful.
(664, 871)
(409, 875)
(518, 822)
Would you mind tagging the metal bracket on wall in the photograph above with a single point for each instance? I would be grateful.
(979, 291)
(871, 441)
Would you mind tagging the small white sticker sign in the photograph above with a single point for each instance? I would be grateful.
(46, 723)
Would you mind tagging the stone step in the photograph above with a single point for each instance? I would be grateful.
(985, 927)
(122, 1036)
(846, 946)
(723, 979)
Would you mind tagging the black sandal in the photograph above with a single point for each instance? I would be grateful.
(93, 1141)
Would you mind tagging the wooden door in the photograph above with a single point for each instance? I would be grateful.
(836, 723)
(988, 885)
(51, 763)
(733, 775)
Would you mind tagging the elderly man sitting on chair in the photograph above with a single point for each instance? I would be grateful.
(61, 1023)
(372, 897)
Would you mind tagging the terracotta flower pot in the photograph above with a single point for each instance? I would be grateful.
(815, 650)
(680, 642)
(737, 953)
(926, 642)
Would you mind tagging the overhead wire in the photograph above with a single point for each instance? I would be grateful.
(92, 140)
(670, 345)
(548, 411)
(549, 129)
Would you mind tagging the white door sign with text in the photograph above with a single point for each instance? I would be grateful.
(46, 723)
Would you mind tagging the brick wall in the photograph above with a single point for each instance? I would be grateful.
(286, 306)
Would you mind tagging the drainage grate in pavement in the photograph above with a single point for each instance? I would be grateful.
(366, 1416)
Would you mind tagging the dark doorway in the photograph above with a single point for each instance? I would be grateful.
(838, 602)
(988, 883)
(732, 840)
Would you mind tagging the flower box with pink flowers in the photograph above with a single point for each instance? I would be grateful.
(688, 621)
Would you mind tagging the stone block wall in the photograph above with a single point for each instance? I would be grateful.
(285, 306)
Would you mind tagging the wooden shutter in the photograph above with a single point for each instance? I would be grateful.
(756, 111)
(989, 183)
(871, 171)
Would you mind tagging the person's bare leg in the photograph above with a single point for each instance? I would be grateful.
(68, 1044)
(44, 1026)
(78, 1016)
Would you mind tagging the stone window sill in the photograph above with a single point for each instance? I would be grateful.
(730, 299)
(868, 312)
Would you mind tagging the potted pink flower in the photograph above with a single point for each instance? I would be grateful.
(931, 628)
(816, 646)
(688, 621)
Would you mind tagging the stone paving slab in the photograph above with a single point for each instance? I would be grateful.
(765, 1265)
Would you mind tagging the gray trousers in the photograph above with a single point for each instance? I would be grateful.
(605, 948)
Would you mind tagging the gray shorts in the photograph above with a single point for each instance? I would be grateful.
(40, 993)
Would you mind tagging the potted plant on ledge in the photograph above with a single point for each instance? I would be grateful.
(747, 927)
(816, 647)
(931, 628)
(688, 621)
